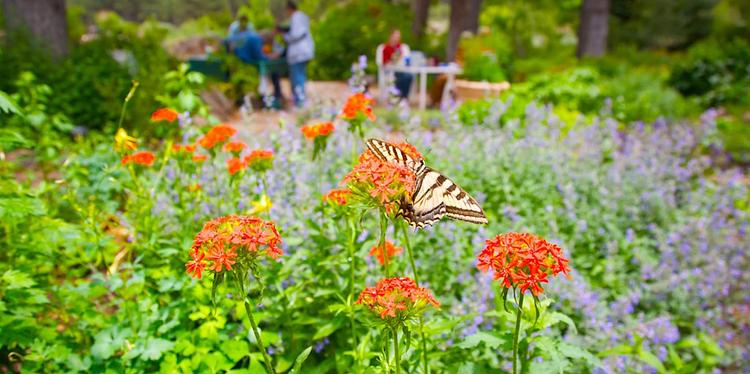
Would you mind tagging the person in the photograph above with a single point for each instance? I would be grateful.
(300, 50)
(396, 53)
(248, 47)
(239, 25)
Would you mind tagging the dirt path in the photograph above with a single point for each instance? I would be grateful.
(259, 120)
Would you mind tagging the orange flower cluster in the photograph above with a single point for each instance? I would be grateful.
(235, 147)
(164, 114)
(388, 250)
(186, 148)
(385, 182)
(409, 150)
(337, 196)
(200, 158)
(217, 134)
(235, 165)
(143, 158)
(316, 130)
(522, 260)
(260, 160)
(396, 298)
(357, 104)
(227, 240)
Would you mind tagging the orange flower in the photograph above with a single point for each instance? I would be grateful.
(235, 165)
(260, 159)
(200, 158)
(217, 134)
(221, 258)
(143, 158)
(384, 182)
(398, 298)
(235, 147)
(183, 148)
(164, 114)
(196, 266)
(246, 238)
(315, 130)
(356, 105)
(522, 260)
(381, 253)
(337, 196)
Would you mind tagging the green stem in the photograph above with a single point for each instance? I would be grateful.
(517, 332)
(395, 350)
(405, 233)
(257, 337)
(125, 103)
(381, 242)
(352, 242)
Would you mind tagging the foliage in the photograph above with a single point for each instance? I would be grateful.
(487, 57)
(350, 28)
(718, 73)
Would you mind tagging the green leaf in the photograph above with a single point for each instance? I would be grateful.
(577, 353)
(235, 349)
(19, 207)
(107, 342)
(489, 340)
(652, 360)
(300, 360)
(15, 279)
(155, 347)
(549, 319)
(329, 328)
(7, 104)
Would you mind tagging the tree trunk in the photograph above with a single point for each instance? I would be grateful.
(593, 28)
(421, 9)
(46, 20)
(464, 17)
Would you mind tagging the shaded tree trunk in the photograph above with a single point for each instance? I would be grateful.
(593, 28)
(464, 17)
(421, 9)
(46, 20)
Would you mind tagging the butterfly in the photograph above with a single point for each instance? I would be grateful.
(435, 195)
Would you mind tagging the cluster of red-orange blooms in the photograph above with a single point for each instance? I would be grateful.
(143, 158)
(258, 160)
(522, 260)
(316, 130)
(224, 241)
(384, 182)
(357, 105)
(394, 297)
(338, 196)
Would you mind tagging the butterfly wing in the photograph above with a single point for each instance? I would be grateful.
(390, 153)
(436, 196)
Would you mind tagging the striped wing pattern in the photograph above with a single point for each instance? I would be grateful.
(390, 153)
(435, 195)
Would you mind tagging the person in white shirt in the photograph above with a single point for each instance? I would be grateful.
(300, 50)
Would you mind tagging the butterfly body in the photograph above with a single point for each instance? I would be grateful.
(435, 195)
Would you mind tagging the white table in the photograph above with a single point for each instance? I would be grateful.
(451, 70)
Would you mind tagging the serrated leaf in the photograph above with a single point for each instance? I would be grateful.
(235, 349)
(14, 208)
(574, 352)
(7, 104)
(14, 279)
(300, 360)
(329, 328)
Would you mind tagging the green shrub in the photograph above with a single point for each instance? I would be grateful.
(487, 57)
(718, 73)
(351, 29)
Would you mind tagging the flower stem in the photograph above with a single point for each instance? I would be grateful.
(405, 233)
(257, 337)
(395, 350)
(517, 332)
(381, 242)
(352, 242)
